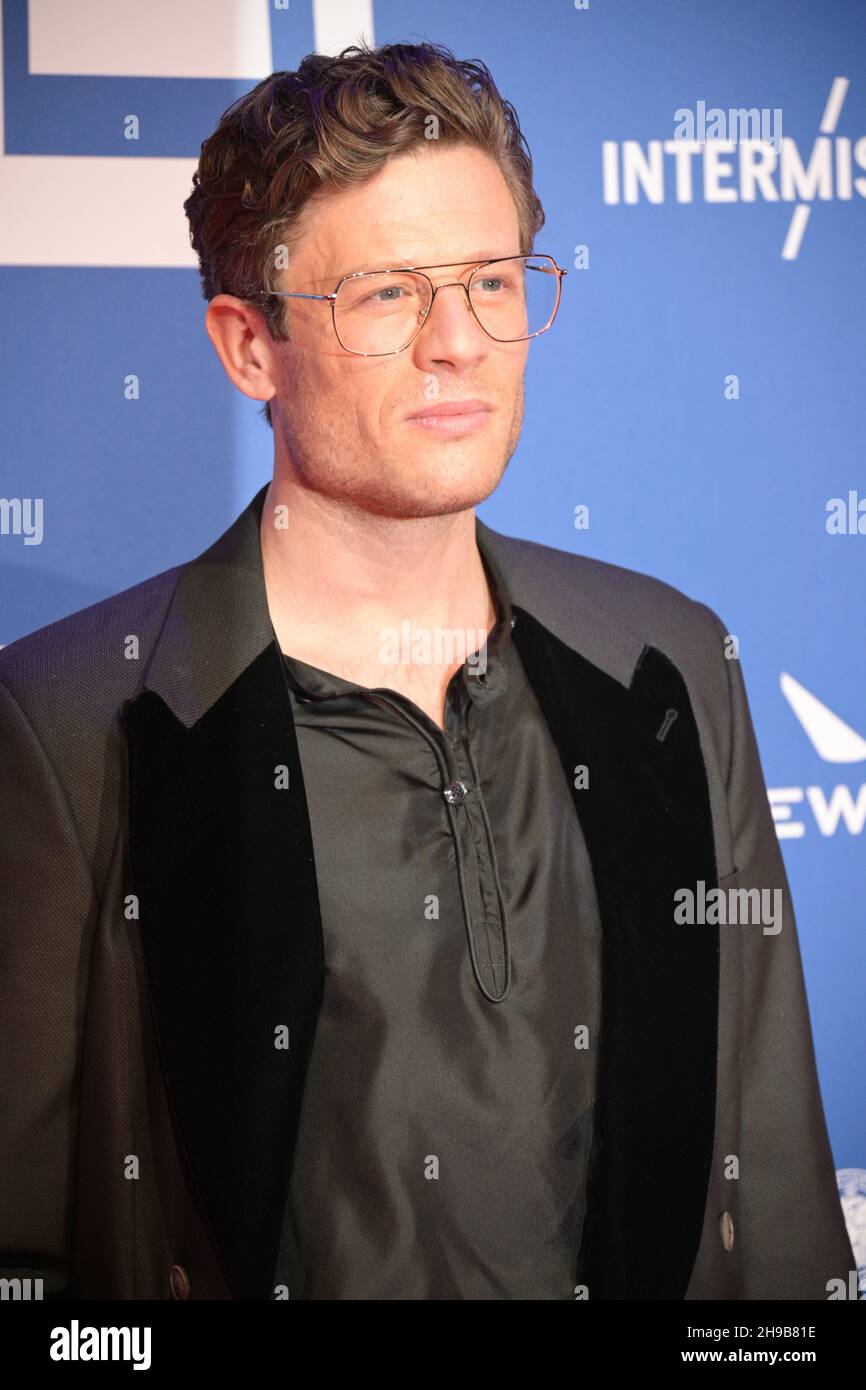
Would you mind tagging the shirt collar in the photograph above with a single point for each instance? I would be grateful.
(484, 678)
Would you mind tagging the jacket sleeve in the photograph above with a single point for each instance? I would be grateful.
(47, 907)
(791, 1227)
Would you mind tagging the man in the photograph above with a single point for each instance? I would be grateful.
(333, 974)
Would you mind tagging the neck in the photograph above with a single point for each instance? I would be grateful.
(336, 576)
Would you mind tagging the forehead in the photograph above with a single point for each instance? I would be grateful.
(431, 207)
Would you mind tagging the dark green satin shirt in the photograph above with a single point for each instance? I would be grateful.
(446, 1123)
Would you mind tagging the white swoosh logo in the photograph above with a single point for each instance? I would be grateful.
(833, 739)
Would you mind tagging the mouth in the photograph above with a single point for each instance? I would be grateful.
(453, 417)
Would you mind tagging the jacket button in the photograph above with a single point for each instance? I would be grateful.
(178, 1282)
(726, 1226)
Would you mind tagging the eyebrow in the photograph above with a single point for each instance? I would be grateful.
(397, 264)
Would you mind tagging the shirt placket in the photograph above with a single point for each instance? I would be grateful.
(481, 893)
(480, 885)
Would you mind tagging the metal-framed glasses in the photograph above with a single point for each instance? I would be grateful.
(377, 313)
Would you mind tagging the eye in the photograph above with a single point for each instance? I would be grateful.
(387, 290)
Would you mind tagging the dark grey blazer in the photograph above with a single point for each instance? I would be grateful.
(159, 917)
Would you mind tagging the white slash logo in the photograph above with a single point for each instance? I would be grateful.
(835, 742)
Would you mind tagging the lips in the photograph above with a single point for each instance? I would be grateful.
(444, 408)
(464, 422)
(452, 417)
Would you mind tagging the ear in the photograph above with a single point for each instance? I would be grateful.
(245, 348)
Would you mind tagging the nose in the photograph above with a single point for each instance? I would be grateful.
(451, 334)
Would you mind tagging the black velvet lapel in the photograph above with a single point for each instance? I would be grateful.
(222, 863)
(647, 822)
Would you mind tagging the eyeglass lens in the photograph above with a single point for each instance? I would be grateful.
(381, 311)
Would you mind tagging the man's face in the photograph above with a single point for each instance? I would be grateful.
(344, 419)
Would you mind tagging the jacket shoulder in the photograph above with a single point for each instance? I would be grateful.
(559, 582)
(84, 654)
(69, 679)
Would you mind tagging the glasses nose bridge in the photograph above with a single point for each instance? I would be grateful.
(448, 284)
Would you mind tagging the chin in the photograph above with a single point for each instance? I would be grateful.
(436, 483)
(436, 500)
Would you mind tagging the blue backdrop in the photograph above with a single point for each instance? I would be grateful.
(701, 393)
